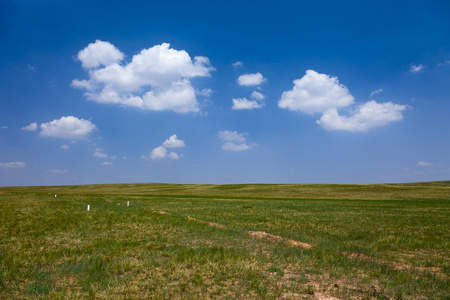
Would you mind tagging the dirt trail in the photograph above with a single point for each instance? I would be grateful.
(277, 238)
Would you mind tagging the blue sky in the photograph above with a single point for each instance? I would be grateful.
(224, 92)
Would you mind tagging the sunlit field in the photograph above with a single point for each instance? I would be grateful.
(166, 241)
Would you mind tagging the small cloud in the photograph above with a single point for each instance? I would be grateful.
(13, 165)
(251, 79)
(31, 68)
(158, 153)
(31, 127)
(57, 171)
(238, 64)
(173, 142)
(99, 154)
(205, 92)
(4, 127)
(257, 96)
(445, 63)
(424, 164)
(106, 163)
(65, 146)
(234, 141)
(243, 103)
(67, 128)
(173, 156)
(416, 69)
(376, 92)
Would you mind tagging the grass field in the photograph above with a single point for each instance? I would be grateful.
(226, 241)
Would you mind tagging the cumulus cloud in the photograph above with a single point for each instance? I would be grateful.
(31, 127)
(366, 116)
(53, 171)
(99, 53)
(158, 153)
(234, 141)
(251, 79)
(173, 142)
(315, 93)
(13, 165)
(243, 103)
(67, 128)
(424, 164)
(158, 78)
(416, 69)
(106, 163)
(65, 146)
(161, 152)
(320, 93)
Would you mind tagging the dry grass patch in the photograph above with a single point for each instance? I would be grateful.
(277, 238)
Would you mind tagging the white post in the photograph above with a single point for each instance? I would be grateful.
(128, 203)
(89, 207)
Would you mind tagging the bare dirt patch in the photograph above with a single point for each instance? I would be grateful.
(3, 193)
(277, 238)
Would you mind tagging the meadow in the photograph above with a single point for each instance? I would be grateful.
(384, 241)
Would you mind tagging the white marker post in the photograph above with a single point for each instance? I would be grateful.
(128, 203)
(89, 207)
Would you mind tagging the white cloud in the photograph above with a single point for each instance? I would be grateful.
(158, 153)
(445, 63)
(315, 93)
(57, 171)
(416, 69)
(234, 141)
(68, 128)
(32, 68)
(98, 153)
(205, 92)
(173, 156)
(424, 164)
(368, 115)
(173, 142)
(161, 151)
(158, 78)
(106, 163)
(243, 103)
(251, 79)
(99, 53)
(13, 165)
(4, 127)
(31, 127)
(238, 64)
(257, 96)
(376, 92)
(65, 146)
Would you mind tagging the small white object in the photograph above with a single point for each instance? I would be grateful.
(55, 195)
(128, 203)
(89, 207)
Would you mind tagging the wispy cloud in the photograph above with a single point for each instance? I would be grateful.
(31, 127)
(13, 165)
(55, 171)
(424, 164)
(376, 92)
(416, 69)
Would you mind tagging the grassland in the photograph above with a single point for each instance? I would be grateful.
(226, 241)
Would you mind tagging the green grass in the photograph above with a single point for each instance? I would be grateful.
(368, 241)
